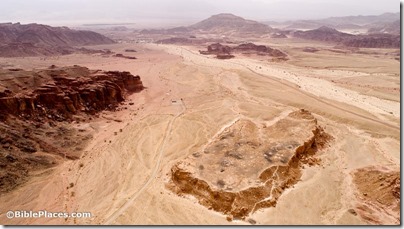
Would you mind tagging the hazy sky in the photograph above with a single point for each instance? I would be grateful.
(182, 11)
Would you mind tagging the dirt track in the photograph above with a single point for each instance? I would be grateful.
(154, 172)
(123, 181)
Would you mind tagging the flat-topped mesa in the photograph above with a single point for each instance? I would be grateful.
(225, 52)
(248, 167)
(63, 92)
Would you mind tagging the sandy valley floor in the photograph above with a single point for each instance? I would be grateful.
(189, 99)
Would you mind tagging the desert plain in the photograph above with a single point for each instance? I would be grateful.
(222, 124)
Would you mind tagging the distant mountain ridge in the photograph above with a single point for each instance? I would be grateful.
(36, 39)
(327, 34)
(221, 24)
(323, 33)
(347, 22)
(363, 20)
(390, 28)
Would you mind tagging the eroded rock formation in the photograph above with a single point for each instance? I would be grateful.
(58, 93)
(225, 51)
(247, 167)
(378, 194)
(250, 48)
(38, 107)
(124, 56)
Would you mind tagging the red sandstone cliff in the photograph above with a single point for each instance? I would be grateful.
(36, 108)
(66, 91)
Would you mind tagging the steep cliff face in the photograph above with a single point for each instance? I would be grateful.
(65, 93)
(36, 110)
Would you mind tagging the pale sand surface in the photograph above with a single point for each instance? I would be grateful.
(123, 182)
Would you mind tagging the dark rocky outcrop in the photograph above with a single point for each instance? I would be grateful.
(125, 57)
(323, 34)
(38, 40)
(250, 48)
(330, 35)
(67, 91)
(224, 56)
(225, 52)
(37, 109)
(374, 41)
(310, 49)
(217, 49)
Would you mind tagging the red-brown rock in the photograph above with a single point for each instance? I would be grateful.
(225, 52)
(42, 40)
(69, 91)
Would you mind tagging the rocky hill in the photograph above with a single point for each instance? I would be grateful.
(226, 52)
(323, 34)
(374, 41)
(230, 22)
(36, 39)
(389, 28)
(37, 111)
(327, 34)
(236, 173)
(362, 19)
(220, 24)
(58, 93)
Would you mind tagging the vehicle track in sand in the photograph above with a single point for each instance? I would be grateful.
(296, 89)
(134, 196)
(324, 102)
